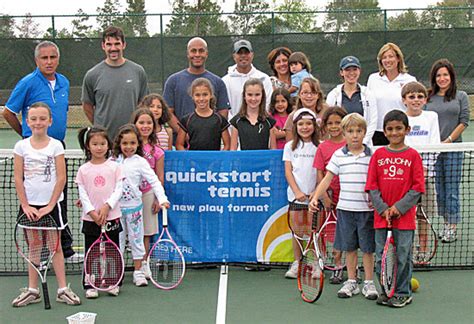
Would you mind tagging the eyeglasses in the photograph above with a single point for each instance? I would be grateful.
(413, 97)
(308, 93)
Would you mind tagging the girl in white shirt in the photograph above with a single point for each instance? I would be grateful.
(127, 151)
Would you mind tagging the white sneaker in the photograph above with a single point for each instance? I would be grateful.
(369, 290)
(114, 291)
(146, 269)
(349, 289)
(75, 258)
(92, 293)
(292, 272)
(316, 270)
(139, 278)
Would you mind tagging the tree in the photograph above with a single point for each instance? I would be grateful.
(7, 29)
(244, 23)
(62, 33)
(407, 20)
(28, 28)
(440, 17)
(202, 19)
(298, 21)
(342, 18)
(80, 28)
(109, 14)
(135, 18)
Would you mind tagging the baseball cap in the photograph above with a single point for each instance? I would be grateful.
(303, 113)
(242, 44)
(349, 61)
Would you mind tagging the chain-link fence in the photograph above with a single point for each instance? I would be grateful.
(165, 52)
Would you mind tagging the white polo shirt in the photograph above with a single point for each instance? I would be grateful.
(388, 94)
(352, 171)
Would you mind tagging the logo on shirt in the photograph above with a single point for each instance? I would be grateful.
(99, 181)
(417, 131)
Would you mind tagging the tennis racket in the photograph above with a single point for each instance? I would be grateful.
(310, 268)
(37, 242)
(425, 242)
(299, 222)
(333, 259)
(389, 263)
(166, 260)
(103, 265)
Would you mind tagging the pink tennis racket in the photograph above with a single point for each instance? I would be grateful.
(103, 265)
(166, 260)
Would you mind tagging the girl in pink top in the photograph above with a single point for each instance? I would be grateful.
(280, 108)
(157, 105)
(144, 121)
(100, 186)
(331, 122)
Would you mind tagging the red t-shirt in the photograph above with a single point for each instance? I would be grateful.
(323, 155)
(394, 174)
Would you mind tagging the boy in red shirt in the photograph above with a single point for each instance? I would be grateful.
(395, 183)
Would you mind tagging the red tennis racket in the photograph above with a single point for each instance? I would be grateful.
(103, 265)
(299, 222)
(310, 269)
(37, 242)
(425, 242)
(333, 259)
(166, 260)
(389, 263)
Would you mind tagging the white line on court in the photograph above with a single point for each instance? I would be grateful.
(222, 295)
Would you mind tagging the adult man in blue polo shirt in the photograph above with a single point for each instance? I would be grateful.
(46, 85)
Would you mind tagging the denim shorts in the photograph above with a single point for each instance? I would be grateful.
(355, 230)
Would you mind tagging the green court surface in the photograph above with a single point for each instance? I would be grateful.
(252, 297)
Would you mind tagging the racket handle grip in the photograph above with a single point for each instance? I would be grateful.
(47, 304)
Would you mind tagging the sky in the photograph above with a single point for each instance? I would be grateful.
(70, 7)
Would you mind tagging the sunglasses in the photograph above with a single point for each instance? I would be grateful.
(413, 97)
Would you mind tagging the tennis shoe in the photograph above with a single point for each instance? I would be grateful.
(336, 277)
(92, 293)
(449, 236)
(292, 272)
(26, 297)
(399, 301)
(146, 269)
(382, 299)
(369, 290)
(349, 289)
(67, 296)
(114, 291)
(139, 278)
(75, 258)
(443, 231)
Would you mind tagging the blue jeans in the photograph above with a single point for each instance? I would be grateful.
(448, 177)
(403, 243)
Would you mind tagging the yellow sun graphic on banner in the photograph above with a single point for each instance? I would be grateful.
(274, 240)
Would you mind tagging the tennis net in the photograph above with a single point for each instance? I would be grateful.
(459, 164)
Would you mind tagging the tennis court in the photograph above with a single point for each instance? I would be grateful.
(254, 297)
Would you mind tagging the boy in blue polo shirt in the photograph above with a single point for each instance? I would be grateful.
(355, 217)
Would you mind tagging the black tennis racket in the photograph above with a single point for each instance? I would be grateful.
(389, 263)
(425, 242)
(166, 260)
(310, 268)
(37, 242)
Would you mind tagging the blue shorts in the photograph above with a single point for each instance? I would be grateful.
(355, 230)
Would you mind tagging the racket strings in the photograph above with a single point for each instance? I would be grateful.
(299, 221)
(104, 265)
(37, 240)
(389, 269)
(166, 264)
(310, 276)
(424, 242)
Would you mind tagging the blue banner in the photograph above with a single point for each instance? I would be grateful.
(228, 206)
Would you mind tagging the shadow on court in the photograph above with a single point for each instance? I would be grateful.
(252, 297)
